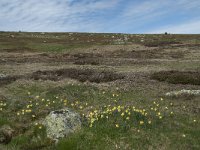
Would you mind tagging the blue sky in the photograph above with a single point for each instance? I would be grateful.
(121, 16)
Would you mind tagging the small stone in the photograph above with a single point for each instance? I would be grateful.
(2, 76)
(6, 134)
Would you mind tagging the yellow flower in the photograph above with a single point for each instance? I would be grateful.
(33, 116)
(149, 122)
(36, 123)
(117, 126)
(161, 99)
(28, 110)
(81, 107)
(127, 118)
(195, 120)
(29, 93)
(159, 114)
(114, 108)
(160, 117)
(171, 112)
(40, 127)
(122, 114)
(171, 104)
(184, 135)
(141, 122)
(18, 114)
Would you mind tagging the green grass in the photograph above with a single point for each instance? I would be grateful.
(177, 130)
(104, 134)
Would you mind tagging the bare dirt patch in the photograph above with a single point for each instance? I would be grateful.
(178, 77)
(81, 75)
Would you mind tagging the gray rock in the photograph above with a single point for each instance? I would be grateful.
(61, 123)
(183, 93)
(6, 134)
(2, 76)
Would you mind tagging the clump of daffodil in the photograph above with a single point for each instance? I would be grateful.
(141, 122)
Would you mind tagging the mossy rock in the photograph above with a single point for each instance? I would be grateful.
(60, 123)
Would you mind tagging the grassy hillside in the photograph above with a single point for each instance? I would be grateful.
(116, 82)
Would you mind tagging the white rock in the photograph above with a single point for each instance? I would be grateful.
(61, 123)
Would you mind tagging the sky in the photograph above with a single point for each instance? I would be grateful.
(107, 16)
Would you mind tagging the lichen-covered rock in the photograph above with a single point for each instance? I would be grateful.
(2, 76)
(6, 134)
(183, 93)
(61, 123)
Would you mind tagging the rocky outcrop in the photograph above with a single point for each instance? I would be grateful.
(61, 123)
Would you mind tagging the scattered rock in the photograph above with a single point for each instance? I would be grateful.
(183, 93)
(6, 134)
(12, 36)
(61, 123)
(2, 76)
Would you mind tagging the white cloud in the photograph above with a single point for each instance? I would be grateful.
(52, 15)
(96, 15)
(146, 13)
